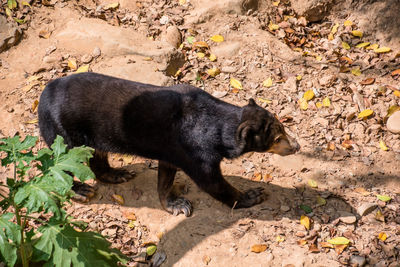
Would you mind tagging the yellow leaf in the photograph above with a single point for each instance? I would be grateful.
(365, 113)
(267, 82)
(111, 6)
(280, 238)
(8, 12)
(379, 216)
(213, 57)
(347, 23)
(396, 93)
(34, 105)
(299, 77)
(206, 259)
(264, 100)
(312, 183)
(382, 50)
(357, 33)
(127, 159)
(372, 47)
(276, 3)
(334, 28)
(72, 64)
(213, 72)
(303, 104)
(362, 45)
(27, 88)
(318, 58)
(32, 121)
(258, 248)
(33, 78)
(84, 68)
(330, 36)
(200, 55)
(25, 4)
(217, 38)
(326, 102)
(182, 2)
(305, 221)
(301, 242)
(321, 201)
(383, 146)
(118, 198)
(356, 71)
(273, 27)
(339, 241)
(345, 45)
(382, 236)
(151, 249)
(236, 84)
(147, 58)
(308, 95)
(318, 105)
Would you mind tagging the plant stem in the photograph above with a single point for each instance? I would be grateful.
(22, 226)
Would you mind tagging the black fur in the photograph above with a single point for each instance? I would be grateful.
(181, 126)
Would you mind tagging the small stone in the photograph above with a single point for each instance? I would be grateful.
(291, 84)
(219, 94)
(86, 58)
(228, 69)
(164, 20)
(366, 208)
(173, 36)
(347, 217)
(226, 49)
(50, 59)
(357, 261)
(96, 52)
(285, 208)
(393, 123)
(327, 80)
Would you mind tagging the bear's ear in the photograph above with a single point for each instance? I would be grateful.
(252, 102)
(243, 133)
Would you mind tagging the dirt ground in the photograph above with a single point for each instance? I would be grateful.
(277, 56)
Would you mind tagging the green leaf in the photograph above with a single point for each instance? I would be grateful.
(9, 231)
(151, 249)
(307, 209)
(12, 4)
(8, 251)
(190, 39)
(383, 198)
(61, 245)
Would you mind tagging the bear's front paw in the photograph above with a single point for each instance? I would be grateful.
(179, 205)
(250, 198)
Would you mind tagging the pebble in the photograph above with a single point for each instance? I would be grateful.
(366, 208)
(229, 69)
(393, 123)
(173, 36)
(347, 217)
(96, 52)
(357, 261)
(164, 20)
(285, 208)
(226, 49)
(50, 59)
(86, 58)
(291, 84)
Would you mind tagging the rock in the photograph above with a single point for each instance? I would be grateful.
(10, 34)
(327, 80)
(164, 20)
(229, 69)
(285, 208)
(172, 36)
(86, 58)
(96, 52)
(219, 94)
(291, 84)
(366, 208)
(312, 10)
(226, 49)
(51, 59)
(347, 217)
(357, 261)
(393, 123)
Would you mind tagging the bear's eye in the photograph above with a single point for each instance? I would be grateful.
(278, 139)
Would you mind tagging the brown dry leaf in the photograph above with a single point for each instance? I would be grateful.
(347, 144)
(330, 146)
(313, 248)
(362, 191)
(340, 248)
(206, 259)
(200, 44)
(301, 242)
(129, 214)
(44, 34)
(257, 176)
(347, 59)
(72, 64)
(118, 198)
(305, 221)
(258, 248)
(365, 113)
(367, 81)
(382, 236)
(34, 105)
(396, 72)
(326, 245)
(379, 216)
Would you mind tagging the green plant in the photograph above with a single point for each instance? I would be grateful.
(56, 242)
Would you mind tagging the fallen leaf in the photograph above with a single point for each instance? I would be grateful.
(44, 34)
(318, 105)
(365, 113)
(111, 6)
(362, 191)
(34, 105)
(257, 177)
(127, 159)
(321, 201)
(72, 64)
(356, 71)
(182, 2)
(347, 23)
(273, 27)
(326, 102)
(391, 110)
(267, 101)
(307, 209)
(362, 45)
(339, 241)
(313, 248)
(190, 39)
(308, 95)
(347, 59)
(396, 93)
(334, 28)
(382, 50)
(372, 47)
(217, 38)
(267, 82)
(27, 88)
(348, 144)
(367, 81)
(267, 178)
(305, 221)
(330, 146)
(299, 77)
(326, 245)
(318, 58)
(236, 84)
(32, 121)
(200, 44)
(382, 145)
(130, 215)
(382, 236)
(84, 68)
(276, 3)
(383, 198)
(357, 33)
(118, 198)
(131, 224)
(213, 57)
(396, 72)
(151, 249)
(340, 248)
(312, 183)
(206, 259)
(213, 72)
(11, 4)
(280, 238)
(148, 59)
(303, 104)
(301, 242)
(200, 55)
(258, 248)
(345, 45)
(379, 216)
